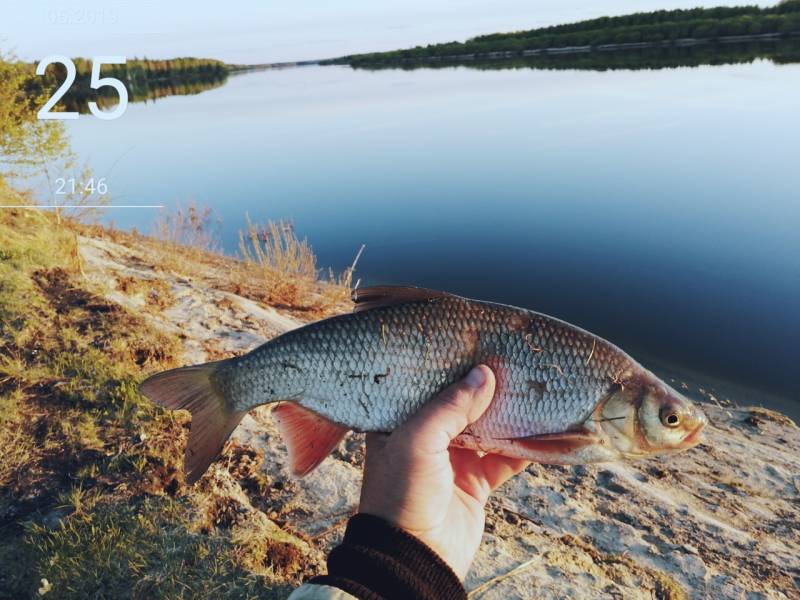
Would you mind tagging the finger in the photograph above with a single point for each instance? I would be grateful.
(464, 460)
(498, 469)
(468, 473)
(375, 443)
(448, 414)
(376, 439)
(374, 452)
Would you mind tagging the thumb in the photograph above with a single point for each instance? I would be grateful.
(447, 414)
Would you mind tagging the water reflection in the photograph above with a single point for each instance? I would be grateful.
(779, 51)
(145, 80)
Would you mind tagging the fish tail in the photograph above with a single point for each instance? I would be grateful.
(213, 415)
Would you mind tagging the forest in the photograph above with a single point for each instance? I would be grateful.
(657, 28)
(781, 51)
(144, 79)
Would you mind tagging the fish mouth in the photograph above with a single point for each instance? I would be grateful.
(693, 437)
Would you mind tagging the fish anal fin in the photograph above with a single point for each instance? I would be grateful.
(309, 438)
(389, 295)
(558, 443)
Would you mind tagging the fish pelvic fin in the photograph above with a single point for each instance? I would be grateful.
(558, 443)
(309, 438)
(213, 416)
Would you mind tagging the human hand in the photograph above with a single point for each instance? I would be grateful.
(413, 479)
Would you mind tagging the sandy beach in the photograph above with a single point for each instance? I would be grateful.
(719, 521)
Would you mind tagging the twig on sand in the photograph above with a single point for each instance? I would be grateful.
(495, 580)
(341, 519)
(521, 516)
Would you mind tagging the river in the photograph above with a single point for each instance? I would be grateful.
(658, 208)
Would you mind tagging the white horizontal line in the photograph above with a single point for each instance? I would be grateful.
(83, 206)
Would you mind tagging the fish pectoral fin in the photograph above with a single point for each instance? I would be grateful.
(558, 443)
(389, 295)
(309, 438)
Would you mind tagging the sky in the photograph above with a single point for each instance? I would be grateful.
(258, 31)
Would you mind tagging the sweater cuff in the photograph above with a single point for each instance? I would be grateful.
(378, 561)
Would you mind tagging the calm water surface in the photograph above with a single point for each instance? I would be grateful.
(660, 209)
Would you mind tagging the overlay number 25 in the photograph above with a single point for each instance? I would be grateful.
(96, 83)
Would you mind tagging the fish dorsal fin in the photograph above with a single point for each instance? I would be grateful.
(309, 438)
(388, 295)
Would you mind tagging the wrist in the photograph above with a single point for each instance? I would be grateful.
(378, 560)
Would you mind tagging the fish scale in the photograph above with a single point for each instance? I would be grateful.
(371, 370)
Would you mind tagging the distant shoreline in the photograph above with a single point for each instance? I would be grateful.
(554, 51)
(234, 69)
(654, 29)
(566, 50)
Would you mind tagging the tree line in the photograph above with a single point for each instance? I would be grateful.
(779, 52)
(662, 26)
(145, 79)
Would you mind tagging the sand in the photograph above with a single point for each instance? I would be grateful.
(719, 521)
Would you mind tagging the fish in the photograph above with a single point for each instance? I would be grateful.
(563, 395)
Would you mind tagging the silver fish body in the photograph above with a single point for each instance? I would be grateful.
(562, 394)
(371, 370)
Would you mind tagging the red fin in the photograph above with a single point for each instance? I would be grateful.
(558, 443)
(388, 295)
(308, 437)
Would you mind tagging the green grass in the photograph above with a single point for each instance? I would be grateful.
(140, 550)
(92, 500)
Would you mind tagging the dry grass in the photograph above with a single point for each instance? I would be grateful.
(287, 265)
(338, 288)
(287, 268)
(92, 499)
(183, 236)
(193, 227)
(156, 293)
(275, 266)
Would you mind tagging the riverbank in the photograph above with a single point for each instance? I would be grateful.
(235, 69)
(566, 50)
(94, 470)
(642, 30)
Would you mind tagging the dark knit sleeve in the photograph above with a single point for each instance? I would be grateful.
(377, 561)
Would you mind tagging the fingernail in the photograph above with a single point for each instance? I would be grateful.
(475, 378)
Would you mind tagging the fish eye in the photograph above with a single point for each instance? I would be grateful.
(670, 417)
